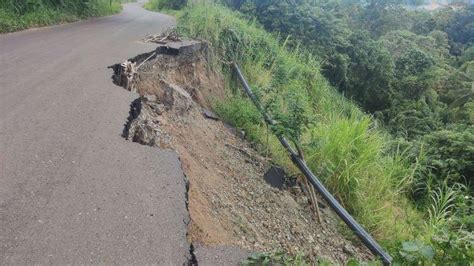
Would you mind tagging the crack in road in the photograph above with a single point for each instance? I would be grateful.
(134, 114)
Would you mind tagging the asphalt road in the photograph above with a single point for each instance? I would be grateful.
(72, 190)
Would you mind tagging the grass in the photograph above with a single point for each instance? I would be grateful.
(168, 5)
(343, 146)
(45, 15)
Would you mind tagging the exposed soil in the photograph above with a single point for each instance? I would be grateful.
(229, 202)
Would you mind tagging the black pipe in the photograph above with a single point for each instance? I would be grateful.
(371, 244)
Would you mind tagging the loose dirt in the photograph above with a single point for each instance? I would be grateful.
(229, 202)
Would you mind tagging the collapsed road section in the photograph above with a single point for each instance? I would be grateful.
(233, 211)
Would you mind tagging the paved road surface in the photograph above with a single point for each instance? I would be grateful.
(72, 190)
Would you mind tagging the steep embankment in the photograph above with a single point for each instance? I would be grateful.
(370, 172)
(342, 145)
(229, 202)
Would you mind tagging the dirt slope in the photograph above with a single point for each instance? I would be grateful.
(229, 202)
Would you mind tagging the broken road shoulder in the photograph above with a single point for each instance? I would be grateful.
(229, 202)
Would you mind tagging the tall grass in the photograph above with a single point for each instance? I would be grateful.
(342, 144)
(16, 15)
(165, 4)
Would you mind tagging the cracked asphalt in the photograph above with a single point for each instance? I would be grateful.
(72, 190)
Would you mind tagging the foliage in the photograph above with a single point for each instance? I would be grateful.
(461, 27)
(416, 251)
(380, 17)
(451, 155)
(301, 20)
(413, 62)
(451, 224)
(22, 14)
(341, 144)
(294, 119)
(403, 71)
(242, 114)
(441, 207)
(455, 246)
(414, 76)
(368, 77)
(349, 155)
(467, 56)
(166, 4)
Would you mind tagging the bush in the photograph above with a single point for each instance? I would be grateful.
(9, 22)
(450, 153)
(19, 15)
(166, 4)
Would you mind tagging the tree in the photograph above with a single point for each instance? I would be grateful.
(461, 27)
(413, 62)
(320, 27)
(450, 153)
(368, 78)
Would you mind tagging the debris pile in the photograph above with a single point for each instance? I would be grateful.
(170, 35)
(144, 123)
(124, 74)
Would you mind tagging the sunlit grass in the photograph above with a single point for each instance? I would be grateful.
(343, 146)
(46, 15)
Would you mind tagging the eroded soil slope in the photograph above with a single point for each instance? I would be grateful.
(229, 202)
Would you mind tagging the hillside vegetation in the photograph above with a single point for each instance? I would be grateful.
(378, 98)
(23, 14)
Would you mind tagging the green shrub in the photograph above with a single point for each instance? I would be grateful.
(19, 15)
(450, 153)
(9, 22)
(166, 4)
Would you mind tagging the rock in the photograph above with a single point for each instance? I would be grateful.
(297, 229)
(153, 103)
(350, 250)
(302, 200)
(210, 115)
(290, 202)
(236, 131)
(181, 48)
(174, 97)
(142, 126)
(161, 121)
(150, 98)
